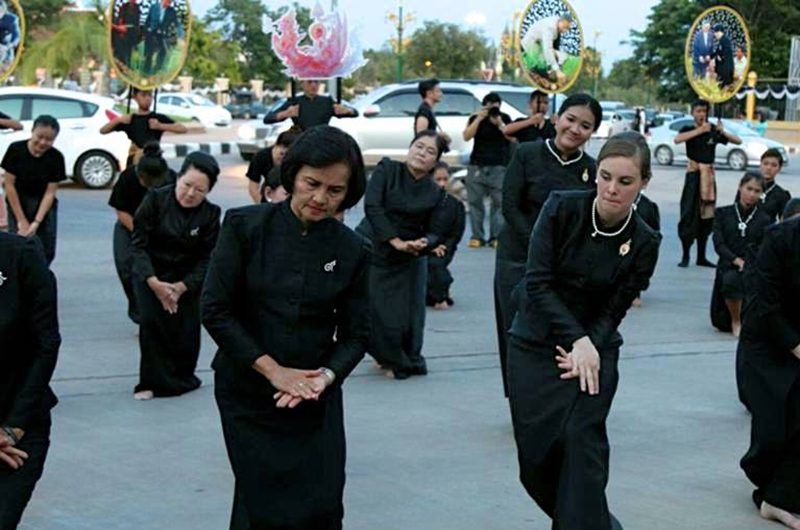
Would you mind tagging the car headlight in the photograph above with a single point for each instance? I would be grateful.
(757, 148)
(246, 132)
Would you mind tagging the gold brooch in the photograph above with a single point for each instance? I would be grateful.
(625, 248)
(586, 175)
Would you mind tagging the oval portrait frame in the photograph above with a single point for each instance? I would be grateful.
(687, 55)
(21, 46)
(521, 62)
(138, 83)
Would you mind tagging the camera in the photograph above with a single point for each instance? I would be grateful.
(494, 112)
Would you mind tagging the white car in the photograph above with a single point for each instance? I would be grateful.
(91, 159)
(613, 123)
(193, 107)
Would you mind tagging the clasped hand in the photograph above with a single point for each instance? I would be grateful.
(583, 362)
(10, 455)
(167, 293)
(295, 386)
(412, 247)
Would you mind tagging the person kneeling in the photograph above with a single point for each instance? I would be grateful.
(439, 277)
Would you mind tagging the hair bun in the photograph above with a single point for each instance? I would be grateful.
(152, 149)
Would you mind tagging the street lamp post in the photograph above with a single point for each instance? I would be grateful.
(597, 68)
(399, 21)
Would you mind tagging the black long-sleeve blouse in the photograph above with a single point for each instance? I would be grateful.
(576, 284)
(774, 200)
(728, 240)
(648, 211)
(29, 337)
(772, 314)
(536, 170)
(274, 289)
(172, 242)
(398, 205)
(454, 218)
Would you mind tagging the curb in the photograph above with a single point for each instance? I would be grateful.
(212, 148)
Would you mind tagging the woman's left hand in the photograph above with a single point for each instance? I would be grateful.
(317, 384)
(178, 289)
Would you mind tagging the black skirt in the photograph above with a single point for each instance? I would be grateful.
(690, 225)
(289, 464)
(561, 435)
(124, 264)
(507, 275)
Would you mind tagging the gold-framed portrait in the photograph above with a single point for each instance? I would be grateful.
(550, 46)
(148, 40)
(717, 54)
(12, 36)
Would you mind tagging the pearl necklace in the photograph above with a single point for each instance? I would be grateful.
(743, 224)
(597, 230)
(557, 157)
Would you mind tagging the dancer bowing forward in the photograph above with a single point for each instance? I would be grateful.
(589, 258)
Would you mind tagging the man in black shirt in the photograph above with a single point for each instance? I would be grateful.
(698, 199)
(536, 126)
(425, 119)
(490, 155)
(310, 109)
(142, 127)
(258, 172)
(6, 122)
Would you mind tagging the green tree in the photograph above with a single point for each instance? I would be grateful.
(452, 52)
(241, 21)
(211, 55)
(42, 14)
(380, 70)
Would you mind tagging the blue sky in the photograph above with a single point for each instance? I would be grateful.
(613, 18)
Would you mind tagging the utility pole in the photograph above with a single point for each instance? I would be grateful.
(399, 21)
(598, 67)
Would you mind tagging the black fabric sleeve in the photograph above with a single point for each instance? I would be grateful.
(194, 279)
(10, 161)
(656, 218)
(603, 327)
(726, 255)
(772, 258)
(439, 223)
(457, 225)
(272, 117)
(58, 170)
(163, 118)
(144, 223)
(224, 281)
(40, 318)
(540, 278)
(260, 165)
(353, 321)
(117, 198)
(513, 193)
(375, 200)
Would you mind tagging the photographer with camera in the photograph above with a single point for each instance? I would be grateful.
(699, 196)
(490, 155)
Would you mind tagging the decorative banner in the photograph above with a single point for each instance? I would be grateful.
(551, 45)
(12, 36)
(790, 93)
(148, 40)
(718, 54)
(333, 50)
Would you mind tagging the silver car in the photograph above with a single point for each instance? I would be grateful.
(738, 157)
(385, 124)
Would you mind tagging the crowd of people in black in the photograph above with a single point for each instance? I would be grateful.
(294, 298)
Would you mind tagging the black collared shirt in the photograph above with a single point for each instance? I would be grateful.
(728, 241)
(703, 148)
(774, 200)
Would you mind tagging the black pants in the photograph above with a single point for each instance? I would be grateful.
(439, 279)
(397, 305)
(169, 344)
(561, 436)
(124, 264)
(154, 46)
(507, 275)
(46, 233)
(690, 226)
(16, 487)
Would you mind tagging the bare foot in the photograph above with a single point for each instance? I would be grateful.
(637, 303)
(772, 513)
(377, 365)
(144, 395)
(441, 306)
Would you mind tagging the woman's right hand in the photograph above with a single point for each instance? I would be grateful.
(739, 263)
(585, 364)
(164, 292)
(294, 382)
(10, 455)
(412, 247)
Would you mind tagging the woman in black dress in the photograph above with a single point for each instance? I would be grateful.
(404, 219)
(589, 258)
(738, 231)
(792, 209)
(286, 301)
(128, 193)
(770, 347)
(33, 170)
(536, 169)
(774, 198)
(175, 230)
(30, 342)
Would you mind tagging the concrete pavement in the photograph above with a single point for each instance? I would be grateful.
(433, 453)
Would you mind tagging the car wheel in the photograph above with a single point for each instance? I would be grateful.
(95, 170)
(664, 155)
(737, 159)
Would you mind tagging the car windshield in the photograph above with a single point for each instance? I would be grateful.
(200, 101)
(738, 128)
(627, 114)
(607, 115)
(518, 100)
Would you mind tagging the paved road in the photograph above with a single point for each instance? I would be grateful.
(433, 453)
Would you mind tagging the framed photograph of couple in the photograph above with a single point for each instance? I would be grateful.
(12, 36)
(718, 54)
(148, 40)
(551, 45)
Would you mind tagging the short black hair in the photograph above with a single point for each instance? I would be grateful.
(204, 163)
(137, 90)
(286, 138)
(323, 146)
(719, 28)
(426, 86)
(750, 176)
(701, 103)
(773, 153)
(584, 100)
(538, 94)
(442, 146)
(442, 165)
(491, 97)
(45, 120)
(152, 169)
(792, 208)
